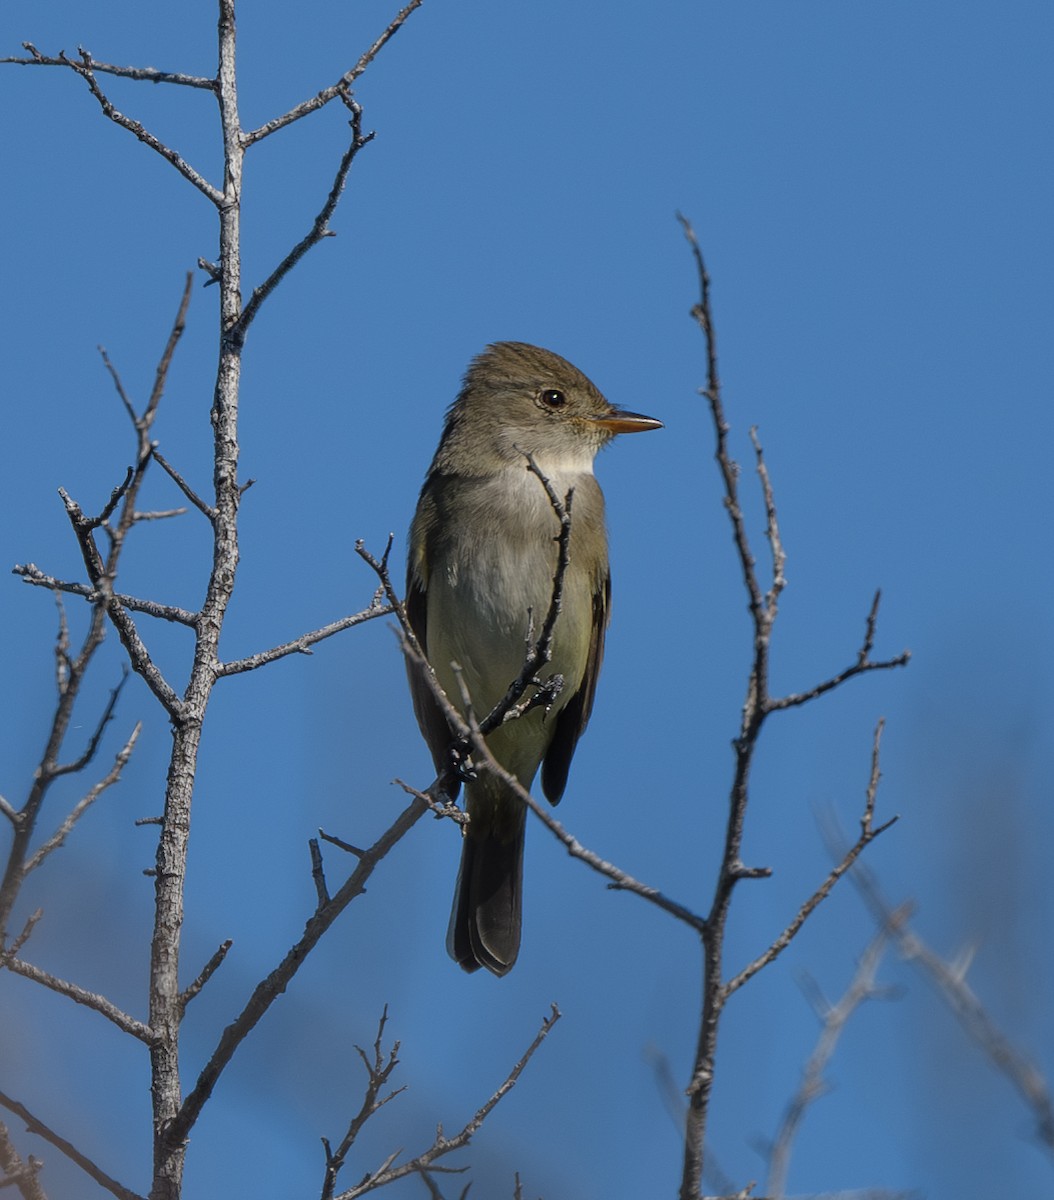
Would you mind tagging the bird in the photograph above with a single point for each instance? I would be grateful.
(482, 556)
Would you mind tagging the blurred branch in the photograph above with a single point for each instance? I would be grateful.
(813, 1085)
(36, 1126)
(435, 1194)
(950, 983)
(16, 1173)
(85, 802)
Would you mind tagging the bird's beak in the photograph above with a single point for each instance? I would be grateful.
(618, 420)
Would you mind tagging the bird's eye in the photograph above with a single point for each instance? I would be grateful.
(553, 398)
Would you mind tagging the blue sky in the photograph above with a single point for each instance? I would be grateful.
(872, 188)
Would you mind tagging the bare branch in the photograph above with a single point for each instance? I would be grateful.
(36, 1126)
(313, 103)
(62, 646)
(757, 706)
(85, 802)
(341, 844)
(712, 393)
(78, 995)
(868, 833)
(27, 931)
(147, 74)
(471, 732)
(320, 228)
(102, 578)
(267, 991)
(93, 742)
(182, 484)
(862, 664)
(121, 393)
(159, 514)
(389, 1173)
(207, 972)
(772, 529)
(318, 872)
(164, 363)
(32, 574)
(443, 807)
(378, 1071)
(303, 644)
(85, 68)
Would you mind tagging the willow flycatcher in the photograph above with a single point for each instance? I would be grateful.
(482, 559)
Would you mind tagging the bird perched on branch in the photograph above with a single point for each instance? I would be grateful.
(517, 449)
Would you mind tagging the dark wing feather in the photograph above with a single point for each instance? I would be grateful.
(429, 715)
(574, 716)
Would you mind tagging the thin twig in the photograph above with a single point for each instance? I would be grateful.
(85, 802)
(303, 644)
(388, 1172)
(444, 807)
(118, 384)
(757, 706)
(862, 664)
(471, 732)
(85, 68)
(164, 363)
(77, 765)
(772, 529)
(324, 97)
(206, 973)
(318, 872)
(133, 643)
(320, 227)
(868, 832)
(378, 1070)
(182, 484)
(159, 514)
(271, 987)
(147, 74)
(32, 574)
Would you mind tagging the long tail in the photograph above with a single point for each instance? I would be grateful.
(485, 921)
